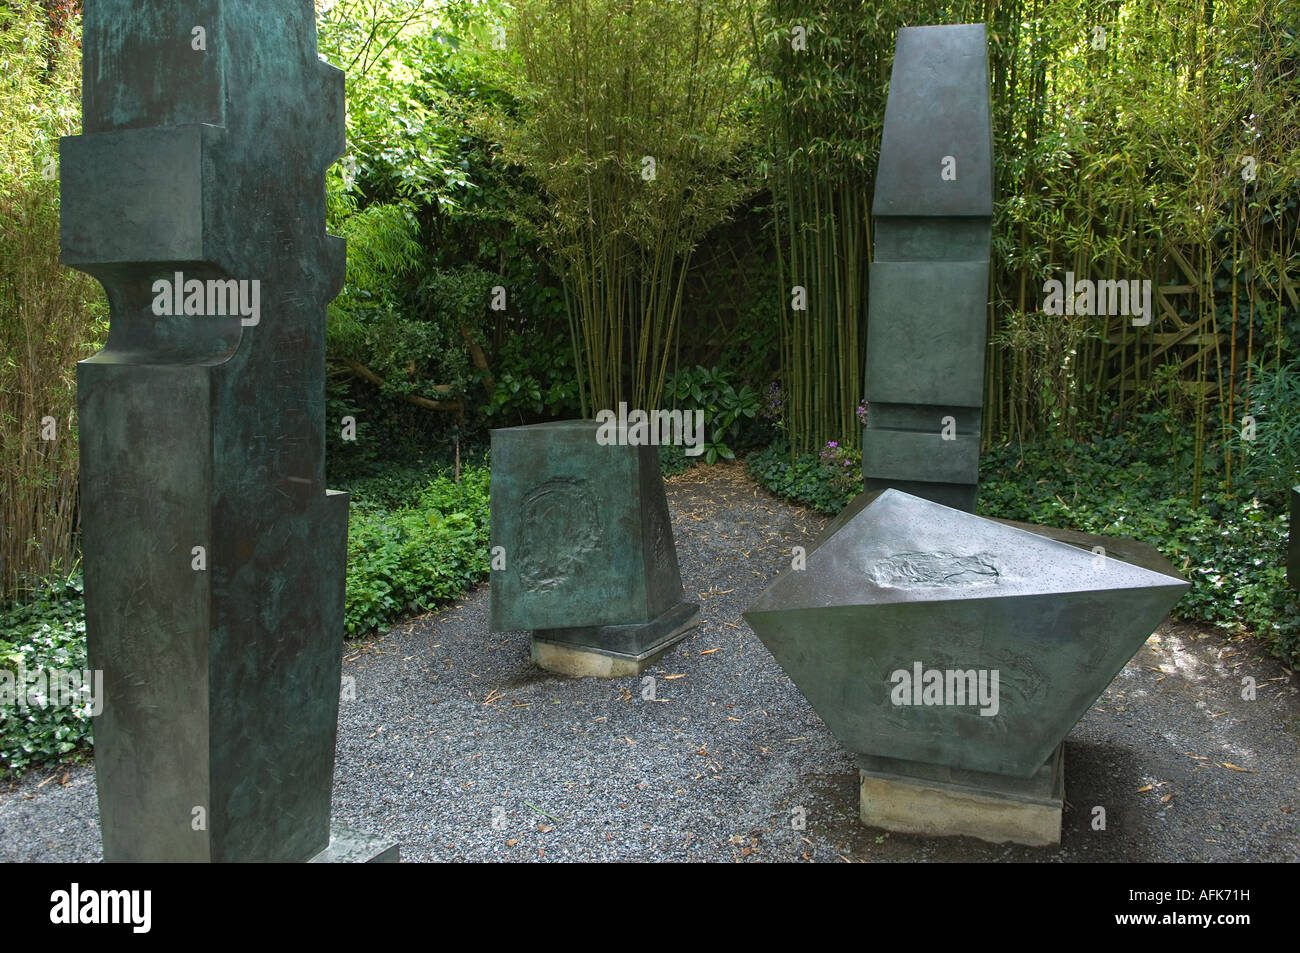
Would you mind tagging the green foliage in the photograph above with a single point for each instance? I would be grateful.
(412, 557)
(451, 304)
(427, 220)
(673, 460)
(822, 110)
(534, 379)
(50, 317)
(805, 477)
(727, 409)
(366, 322)
(750, 349)
(416, 343)
(631, 122)
(843, 466)
(1111, 168)
(1271, 461)
(391, 488)
(38, 96)
(383, 245)
(346, 460)
(46, 632)
(1231, 549)
(401, 134)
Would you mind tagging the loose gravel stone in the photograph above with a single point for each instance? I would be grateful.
(458, 748)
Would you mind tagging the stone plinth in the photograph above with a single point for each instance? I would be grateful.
(933, 800)
(348, 846)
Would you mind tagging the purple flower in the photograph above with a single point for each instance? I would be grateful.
(773, 408)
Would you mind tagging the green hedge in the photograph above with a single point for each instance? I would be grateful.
(47, 633)
(412, 557)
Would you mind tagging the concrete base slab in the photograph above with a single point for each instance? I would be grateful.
(348, 846)
(913, 798)
(582, 652)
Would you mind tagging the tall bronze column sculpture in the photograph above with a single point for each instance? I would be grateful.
(928, 301)
(214, 554)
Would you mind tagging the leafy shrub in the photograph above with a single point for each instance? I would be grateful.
(413, 557)
(843, 467)
(345, 460)
(1271, 460)
(808, 478)
(673, 460)
(392, 488)
(1231, 548)
(534, 379)
(47, 632)
(730, 413)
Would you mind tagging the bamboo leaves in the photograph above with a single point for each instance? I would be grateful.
(633, 136)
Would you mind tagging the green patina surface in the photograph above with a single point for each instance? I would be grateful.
(897, 582)
(216, 742)
(927, 311)
(585, 535)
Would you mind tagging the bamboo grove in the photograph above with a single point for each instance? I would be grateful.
(1153, 140)
(632, 130)
(49, 317)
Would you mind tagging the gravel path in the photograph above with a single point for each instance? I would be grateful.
(458, 748)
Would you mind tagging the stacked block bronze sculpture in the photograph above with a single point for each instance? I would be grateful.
(214, 554)
(583, 551)
(928, 298)
(951, 653)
